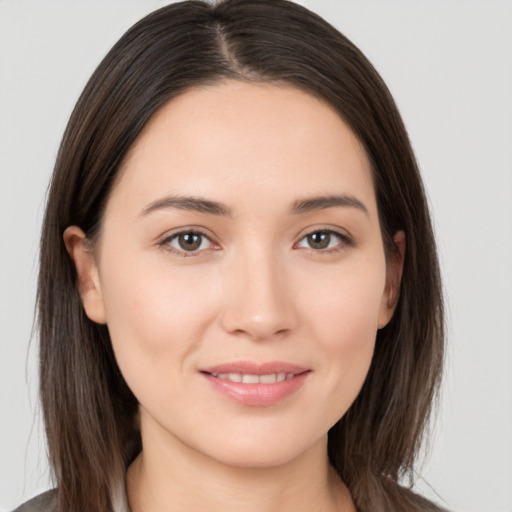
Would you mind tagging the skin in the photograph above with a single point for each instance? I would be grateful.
(255, 289)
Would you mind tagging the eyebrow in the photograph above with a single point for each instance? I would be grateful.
(324, 202)
(300, 206)
(190, 203)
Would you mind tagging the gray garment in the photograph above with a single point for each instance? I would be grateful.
(45, 502)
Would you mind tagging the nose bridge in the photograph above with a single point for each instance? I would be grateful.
(258, 302)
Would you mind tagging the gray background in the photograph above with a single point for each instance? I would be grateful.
(448, 64)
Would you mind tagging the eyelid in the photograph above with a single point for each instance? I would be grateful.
(346, 238)
(344, 233)
(163, 241)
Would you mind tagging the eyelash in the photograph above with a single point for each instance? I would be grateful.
(345, 241)
(164, 244)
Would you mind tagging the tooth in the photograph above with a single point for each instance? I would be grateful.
(254, 379)
(250, 379)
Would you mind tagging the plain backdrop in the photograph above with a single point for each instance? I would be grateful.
(449, 65)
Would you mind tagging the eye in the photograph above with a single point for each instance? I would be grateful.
(323, 240)
(191, 242)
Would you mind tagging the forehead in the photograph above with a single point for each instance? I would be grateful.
(252, 139)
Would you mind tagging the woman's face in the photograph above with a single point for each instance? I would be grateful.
(240, 247)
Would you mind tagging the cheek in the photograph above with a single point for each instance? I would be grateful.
(344, 304)
(343, 320)
(155, 317)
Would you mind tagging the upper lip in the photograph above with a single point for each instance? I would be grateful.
(253, 368)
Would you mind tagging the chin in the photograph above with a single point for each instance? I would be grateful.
(261, 454)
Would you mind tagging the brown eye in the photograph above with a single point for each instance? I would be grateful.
(188, 241)
(323, 240)
(319, 240)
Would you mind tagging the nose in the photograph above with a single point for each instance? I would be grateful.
(258, 304)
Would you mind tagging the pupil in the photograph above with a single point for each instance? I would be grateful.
(189, 241)
(319, 240)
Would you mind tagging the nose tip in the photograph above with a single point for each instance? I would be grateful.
(258, 303)
(256, 327)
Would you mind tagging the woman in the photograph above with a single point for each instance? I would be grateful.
(239, 295)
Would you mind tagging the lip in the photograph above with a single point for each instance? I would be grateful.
(258, 394)
(255, 368)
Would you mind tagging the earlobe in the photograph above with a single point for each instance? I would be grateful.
(87, 274)
(393, 279)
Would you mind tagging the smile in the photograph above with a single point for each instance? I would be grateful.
(256, 384)
(247, 378)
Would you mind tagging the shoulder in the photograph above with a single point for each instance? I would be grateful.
(45, 502)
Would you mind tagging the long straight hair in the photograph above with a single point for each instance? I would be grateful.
(89, 411)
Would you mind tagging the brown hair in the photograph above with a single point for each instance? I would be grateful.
(89, 411)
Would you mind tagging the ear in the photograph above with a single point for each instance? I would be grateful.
(87, 273)
(393, 278)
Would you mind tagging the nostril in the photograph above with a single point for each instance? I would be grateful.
(259, 314)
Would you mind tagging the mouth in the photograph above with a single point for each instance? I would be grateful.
(254, 384)
(248, 378)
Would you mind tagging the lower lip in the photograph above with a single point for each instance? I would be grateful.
(257, 395)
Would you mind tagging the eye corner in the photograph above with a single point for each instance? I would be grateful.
(323, 246)
(196, 248)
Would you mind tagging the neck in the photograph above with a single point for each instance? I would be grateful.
(177, 477)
